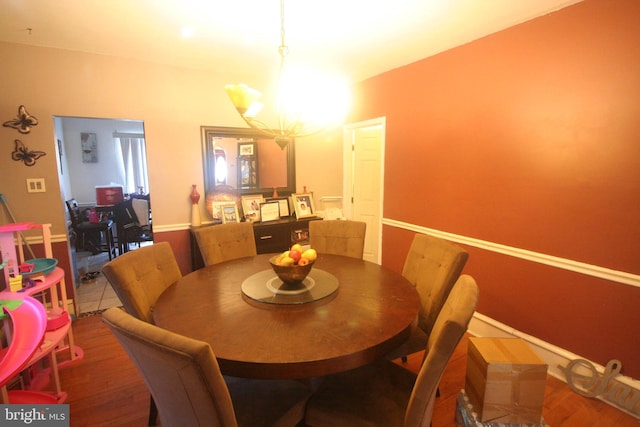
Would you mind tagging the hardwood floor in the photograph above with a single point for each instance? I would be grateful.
(105, 389)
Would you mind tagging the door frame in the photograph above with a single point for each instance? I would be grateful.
(348, 166)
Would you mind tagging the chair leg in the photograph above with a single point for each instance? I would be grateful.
(111, 245)
(79, 241)
(404, 359)
(107, 235)
(153, 412)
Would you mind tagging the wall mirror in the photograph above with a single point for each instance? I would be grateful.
(247, 161)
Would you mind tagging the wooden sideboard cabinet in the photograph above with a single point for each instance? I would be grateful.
(271, 237)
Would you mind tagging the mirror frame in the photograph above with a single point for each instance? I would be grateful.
(208, 159)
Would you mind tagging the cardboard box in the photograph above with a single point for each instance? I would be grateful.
(109, 195)
(505, 380)
(466, 416)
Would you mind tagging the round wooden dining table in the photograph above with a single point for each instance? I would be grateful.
(370, 313)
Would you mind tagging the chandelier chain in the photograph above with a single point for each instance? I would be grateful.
(283, 50)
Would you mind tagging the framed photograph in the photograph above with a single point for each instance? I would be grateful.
(246, 149)
(300, 236)
(248, 165)
(284, 205)
(89, 143)
(303, 205)
(229, 212)
(269, 211)
(216, 211)
(251, 207)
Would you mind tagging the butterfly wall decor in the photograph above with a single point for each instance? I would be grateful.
(23, 123)
(22, 153)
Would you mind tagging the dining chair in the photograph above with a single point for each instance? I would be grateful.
(432, 265)
(94, 237)
(139, 277)
(386, 394)
(185, 380)
(224, 242)
(338, 237)
(133, 221)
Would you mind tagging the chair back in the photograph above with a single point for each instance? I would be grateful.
(74, 212)
(133, 221)
(141, 204)
(182, 373)
(448, 330)
(224, 242)
(338, 237)
(433, 265)
(139, 277)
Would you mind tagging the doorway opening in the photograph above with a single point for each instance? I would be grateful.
(102, 166)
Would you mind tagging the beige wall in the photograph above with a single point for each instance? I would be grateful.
(172, 102)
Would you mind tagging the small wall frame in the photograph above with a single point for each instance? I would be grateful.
(248, 165)
(89, 144)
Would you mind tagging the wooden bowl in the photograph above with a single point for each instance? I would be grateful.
(291, 274)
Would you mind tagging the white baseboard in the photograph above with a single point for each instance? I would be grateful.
(555, 357)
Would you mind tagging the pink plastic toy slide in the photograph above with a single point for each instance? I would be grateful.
(29, 320)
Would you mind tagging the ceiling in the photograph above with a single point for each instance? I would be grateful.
(356, 38)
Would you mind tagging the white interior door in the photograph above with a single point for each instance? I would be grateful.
(363, 180)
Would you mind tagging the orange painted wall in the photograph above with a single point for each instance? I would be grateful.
(529, 138)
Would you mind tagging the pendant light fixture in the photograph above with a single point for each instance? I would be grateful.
(291, 119)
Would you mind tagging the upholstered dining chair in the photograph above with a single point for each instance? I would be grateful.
(185, 380)
(224, 242)
(432, 265)
(387, 394)
(139, 277)
(338, 237)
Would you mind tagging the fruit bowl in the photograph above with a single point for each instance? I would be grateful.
(290, 274)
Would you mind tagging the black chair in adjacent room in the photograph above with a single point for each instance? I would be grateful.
(94, 237)
(133, 221)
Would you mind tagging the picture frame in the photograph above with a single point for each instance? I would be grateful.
(89, 145)
(216, 210)
(269, 211)
(303, 205)
(251, 207)
(300, 236)
(284, 205)
(246, 148)
(229, 212)
(247, 165)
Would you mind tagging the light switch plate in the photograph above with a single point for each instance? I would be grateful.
(36, 185)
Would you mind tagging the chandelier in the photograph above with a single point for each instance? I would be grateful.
(291, 119)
